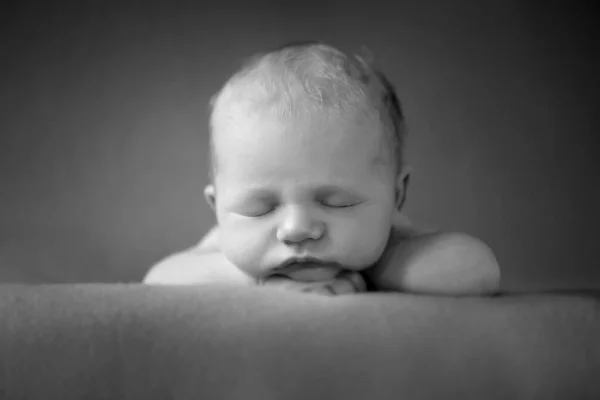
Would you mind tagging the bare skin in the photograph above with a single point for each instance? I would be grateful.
(441, 263)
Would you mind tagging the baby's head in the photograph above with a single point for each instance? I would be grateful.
(307, 161)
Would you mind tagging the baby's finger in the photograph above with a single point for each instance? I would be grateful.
(348, 282)
(323, 289)
(281, 282)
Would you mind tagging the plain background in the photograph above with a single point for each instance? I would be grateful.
(103, 124)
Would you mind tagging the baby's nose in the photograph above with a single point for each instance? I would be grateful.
(298, 225)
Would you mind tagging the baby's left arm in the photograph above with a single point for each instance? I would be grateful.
(437, 263)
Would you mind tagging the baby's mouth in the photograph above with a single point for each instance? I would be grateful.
(308, 270)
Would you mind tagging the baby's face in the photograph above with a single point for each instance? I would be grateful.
(308, 189)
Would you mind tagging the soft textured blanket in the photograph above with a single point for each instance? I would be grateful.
(223, 342)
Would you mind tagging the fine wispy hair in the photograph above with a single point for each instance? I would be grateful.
(299, 80)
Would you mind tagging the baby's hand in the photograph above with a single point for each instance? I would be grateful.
(347, 282)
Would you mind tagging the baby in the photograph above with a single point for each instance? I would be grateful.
(308, 183)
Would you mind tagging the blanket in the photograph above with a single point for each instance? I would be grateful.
(129, 341)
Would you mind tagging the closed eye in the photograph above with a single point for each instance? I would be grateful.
(256, 211)
(339, 204)
(335, 197)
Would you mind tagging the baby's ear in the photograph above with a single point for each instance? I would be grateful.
(209, 195)
(402, 181)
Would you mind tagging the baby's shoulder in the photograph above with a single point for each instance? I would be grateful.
(407, 239)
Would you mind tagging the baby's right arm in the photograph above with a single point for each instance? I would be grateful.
(202, 263)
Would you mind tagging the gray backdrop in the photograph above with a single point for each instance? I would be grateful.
(103, 124)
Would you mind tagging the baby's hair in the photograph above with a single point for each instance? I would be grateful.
(301, 78)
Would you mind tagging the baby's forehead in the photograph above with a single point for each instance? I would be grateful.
(310, 127)
(321, 143)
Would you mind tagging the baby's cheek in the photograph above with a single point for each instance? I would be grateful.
(359, 247)
(243, 246)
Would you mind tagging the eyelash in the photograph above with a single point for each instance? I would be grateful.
(269, 209)
(322, 203)
(337, 206)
